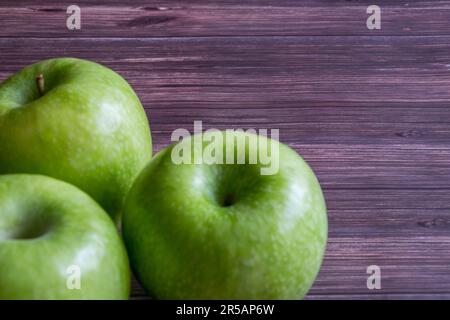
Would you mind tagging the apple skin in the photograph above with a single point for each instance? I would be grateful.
(88, 128)
(184, 242)
(47, 225)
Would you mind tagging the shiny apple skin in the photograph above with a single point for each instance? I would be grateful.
(88, 128)
(184, 242)
(46, 228)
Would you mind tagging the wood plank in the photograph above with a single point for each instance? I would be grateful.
(377, 199)
(408, 265)
(436, 134)
(410, 243)
(418, 223)
(395, 141)
(241, 70)
(224, 18)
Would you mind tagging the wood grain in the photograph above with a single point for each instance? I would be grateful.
(369, 110)
(331, 70)
(223, 18)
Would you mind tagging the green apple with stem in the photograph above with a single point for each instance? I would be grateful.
(56, 242)
(76, 121)
(212, 230)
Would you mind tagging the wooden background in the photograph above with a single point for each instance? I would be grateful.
(369, 110)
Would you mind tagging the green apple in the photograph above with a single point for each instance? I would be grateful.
(57, 243)
(226, 231)
(76, 121)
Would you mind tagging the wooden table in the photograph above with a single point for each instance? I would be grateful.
(368, 109)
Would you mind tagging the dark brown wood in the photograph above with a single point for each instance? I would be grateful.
(331, 71)
(223, 18)
(369, 110)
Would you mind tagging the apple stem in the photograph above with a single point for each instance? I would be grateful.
(40, 84)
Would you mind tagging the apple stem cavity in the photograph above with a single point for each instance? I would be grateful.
(40, 84)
